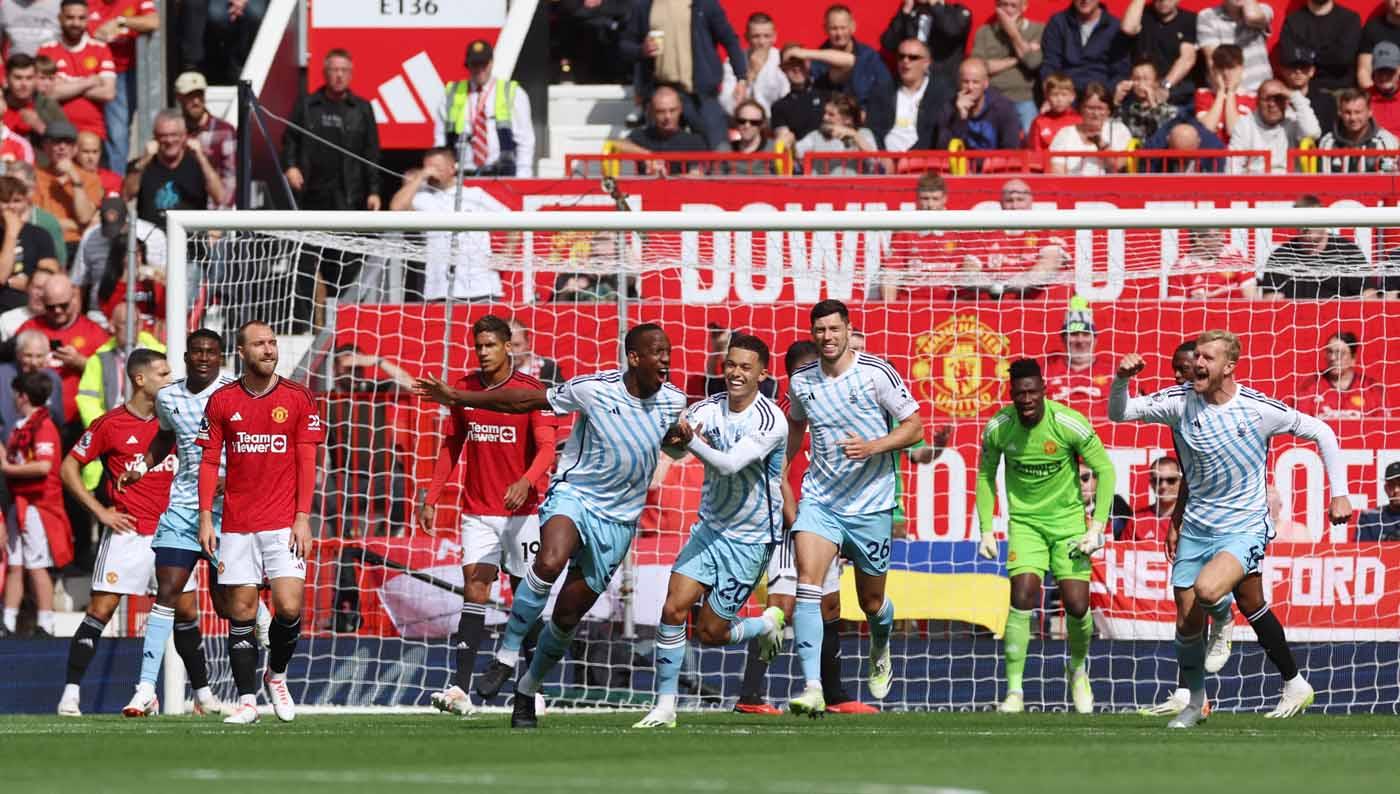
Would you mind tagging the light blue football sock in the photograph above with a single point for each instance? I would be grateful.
(527, 607)
(807, 630)
(1191, 660)
(1220, 610)
(554, 643)
(746, 629)
(670, 653)
(159, 625)
(880, 625)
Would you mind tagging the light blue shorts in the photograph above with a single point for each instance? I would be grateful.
(1194, 549)
(178, 528)
(728, 568)
(864, 539)
(604, 543)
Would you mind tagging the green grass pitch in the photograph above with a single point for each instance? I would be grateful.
(717, 752)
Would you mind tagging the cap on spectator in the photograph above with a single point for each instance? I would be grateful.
(479, 53)
(1392, 472)
(1298, 56)
(190, 82)
(112, 211)
(1386, 55)
(61, 130)
(1080, 318)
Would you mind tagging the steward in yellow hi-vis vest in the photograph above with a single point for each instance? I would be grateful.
(486, 122)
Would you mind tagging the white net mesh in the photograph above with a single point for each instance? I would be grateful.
(949, 310)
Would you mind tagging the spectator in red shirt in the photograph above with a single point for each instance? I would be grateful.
(1385, 85)
(13, 146)
(118, 23)
(1059, 113)
(1341, 390)
(42, 538)
(917, 257)
(1014, 262)
(1220, 107)
(27, 112)
(75, 335)
(1212, 268)
(217, 137)
(1079, 376)
(1152, 521)
(87, 76)
(89, 159)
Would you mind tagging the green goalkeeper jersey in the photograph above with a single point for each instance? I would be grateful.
(1042, 468)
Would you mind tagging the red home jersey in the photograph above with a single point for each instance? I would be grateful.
(1147, 525)
(36, 439)
(82, 335)
(797, 469)
(259, 435)
(90, 57)
(120, 438)
(916, 259)
(498, 449)
(123, 47)
(1320, 397)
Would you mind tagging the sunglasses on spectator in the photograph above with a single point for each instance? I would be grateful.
(1164, 480)
(743, 122)
(911, 56)
(55, 307)
(1279, 98)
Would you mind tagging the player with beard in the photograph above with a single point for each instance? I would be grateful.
(267, 429)
(1221, 431)
(589, 516)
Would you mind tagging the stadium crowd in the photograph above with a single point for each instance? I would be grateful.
(1158, 77)
(1084, 81)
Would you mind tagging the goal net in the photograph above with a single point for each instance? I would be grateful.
(949, 299)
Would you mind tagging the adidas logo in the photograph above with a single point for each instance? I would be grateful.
(241, 644)
(149, 655)
(614, 411)
(664, 660)
(237, 417)
(86, 642)
(804, 644)
(132, 440)
(461, 645)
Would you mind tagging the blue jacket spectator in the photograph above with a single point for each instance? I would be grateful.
(865, 78)
(1103, 59)
(978, 115)
(709, 28)
(1168, 137)
(1383, 523)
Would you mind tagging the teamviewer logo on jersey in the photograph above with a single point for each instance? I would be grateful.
(260, 443)
(498, 434)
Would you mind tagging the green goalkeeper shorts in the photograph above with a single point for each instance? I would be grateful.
(1033, 549)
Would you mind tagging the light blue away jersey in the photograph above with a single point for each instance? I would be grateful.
(612, 452)
(180, 410)
(743, 455)
(865, 401)
(1224, 450)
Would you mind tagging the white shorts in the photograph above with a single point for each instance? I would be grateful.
(508, 542)
(782, 572)
(247, 558)
(29, 547)
(126, 564)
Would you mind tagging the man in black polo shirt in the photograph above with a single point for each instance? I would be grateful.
(1316, 264)
(800, 112)
(664, 135)
(1166, 35)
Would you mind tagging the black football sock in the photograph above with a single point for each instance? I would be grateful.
(1270, 633)
(282, 643)
(243, 656)
(83, 647)
(470, 627)
(189, 643)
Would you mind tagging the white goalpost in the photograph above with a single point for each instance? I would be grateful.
(948, 298)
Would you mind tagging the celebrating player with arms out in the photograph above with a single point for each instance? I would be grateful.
(125, 561)
(739, 436)
(268, 430)
(848, 495)
(1043, 442)
(590, 513)
(179, 410)
(506, 456)
(1222, 431)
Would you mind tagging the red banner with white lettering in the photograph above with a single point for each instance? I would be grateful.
(1320, 592)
